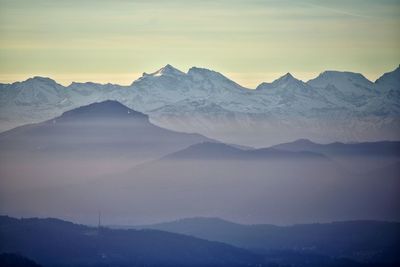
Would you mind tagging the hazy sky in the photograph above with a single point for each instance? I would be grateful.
(250, 41)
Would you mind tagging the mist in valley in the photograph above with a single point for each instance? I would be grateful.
(83, 162)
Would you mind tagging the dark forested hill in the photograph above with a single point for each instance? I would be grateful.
(364, 241)
(52, 242)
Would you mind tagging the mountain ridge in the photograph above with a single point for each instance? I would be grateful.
(106, 115)
(207, 102)
(335, 239)
(168, 68)
(102, 246)
(221, 151)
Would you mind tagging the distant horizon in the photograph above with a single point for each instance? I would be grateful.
(250, 41)
(177, 220)
(137, 75)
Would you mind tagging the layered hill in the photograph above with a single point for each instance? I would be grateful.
(363, 241)
(52, 242)
(358, 157)
(97, 139)
(218, 180)
(105, 129)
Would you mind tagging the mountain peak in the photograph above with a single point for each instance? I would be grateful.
(201, 73)
(205, 73)
(105, 109)
(218, 80)
(287, 80)
(334, 74)
(349, 83)
(390, 79)
(304, 142)
(287, 76)
(41, 80)
(297, 145)
(198, 69)
(167, 70)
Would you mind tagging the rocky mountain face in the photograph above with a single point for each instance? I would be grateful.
(335, 106)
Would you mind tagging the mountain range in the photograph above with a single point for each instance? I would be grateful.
(55, 242)
(97, 139)
(335, 106)
(189, 243)
(358, 157)
(363, 241)
(107, 156)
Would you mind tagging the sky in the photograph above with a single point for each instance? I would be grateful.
(250, 41)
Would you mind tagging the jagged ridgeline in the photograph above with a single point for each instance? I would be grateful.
(335, 106)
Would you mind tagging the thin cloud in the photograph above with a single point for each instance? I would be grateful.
(337, 11)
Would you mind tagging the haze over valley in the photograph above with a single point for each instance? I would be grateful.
(228, 133)
(105, 156)
(197, 145)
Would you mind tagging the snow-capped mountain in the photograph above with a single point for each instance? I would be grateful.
(349, 83)
(389, 83)
(36, 91)
(287, 81)
(334, 106)
(390, 80)
(30, 101)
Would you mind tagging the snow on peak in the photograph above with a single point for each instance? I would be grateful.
(350, 84)
(286, 81)
(215, 78)
(167, 70)
(332, 77)
(39, 91)
(287, 78)
(41, 80)
(390, 80)
(202, 73)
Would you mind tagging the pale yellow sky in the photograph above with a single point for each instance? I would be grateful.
(249, 41)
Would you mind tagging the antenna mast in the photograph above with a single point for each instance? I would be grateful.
(99, 225)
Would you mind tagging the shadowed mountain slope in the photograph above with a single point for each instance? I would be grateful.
(100, 129)
(98, 139)
(52, 242)
(358, 157)
(365, 241)
(209, 150)
(212, 179)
